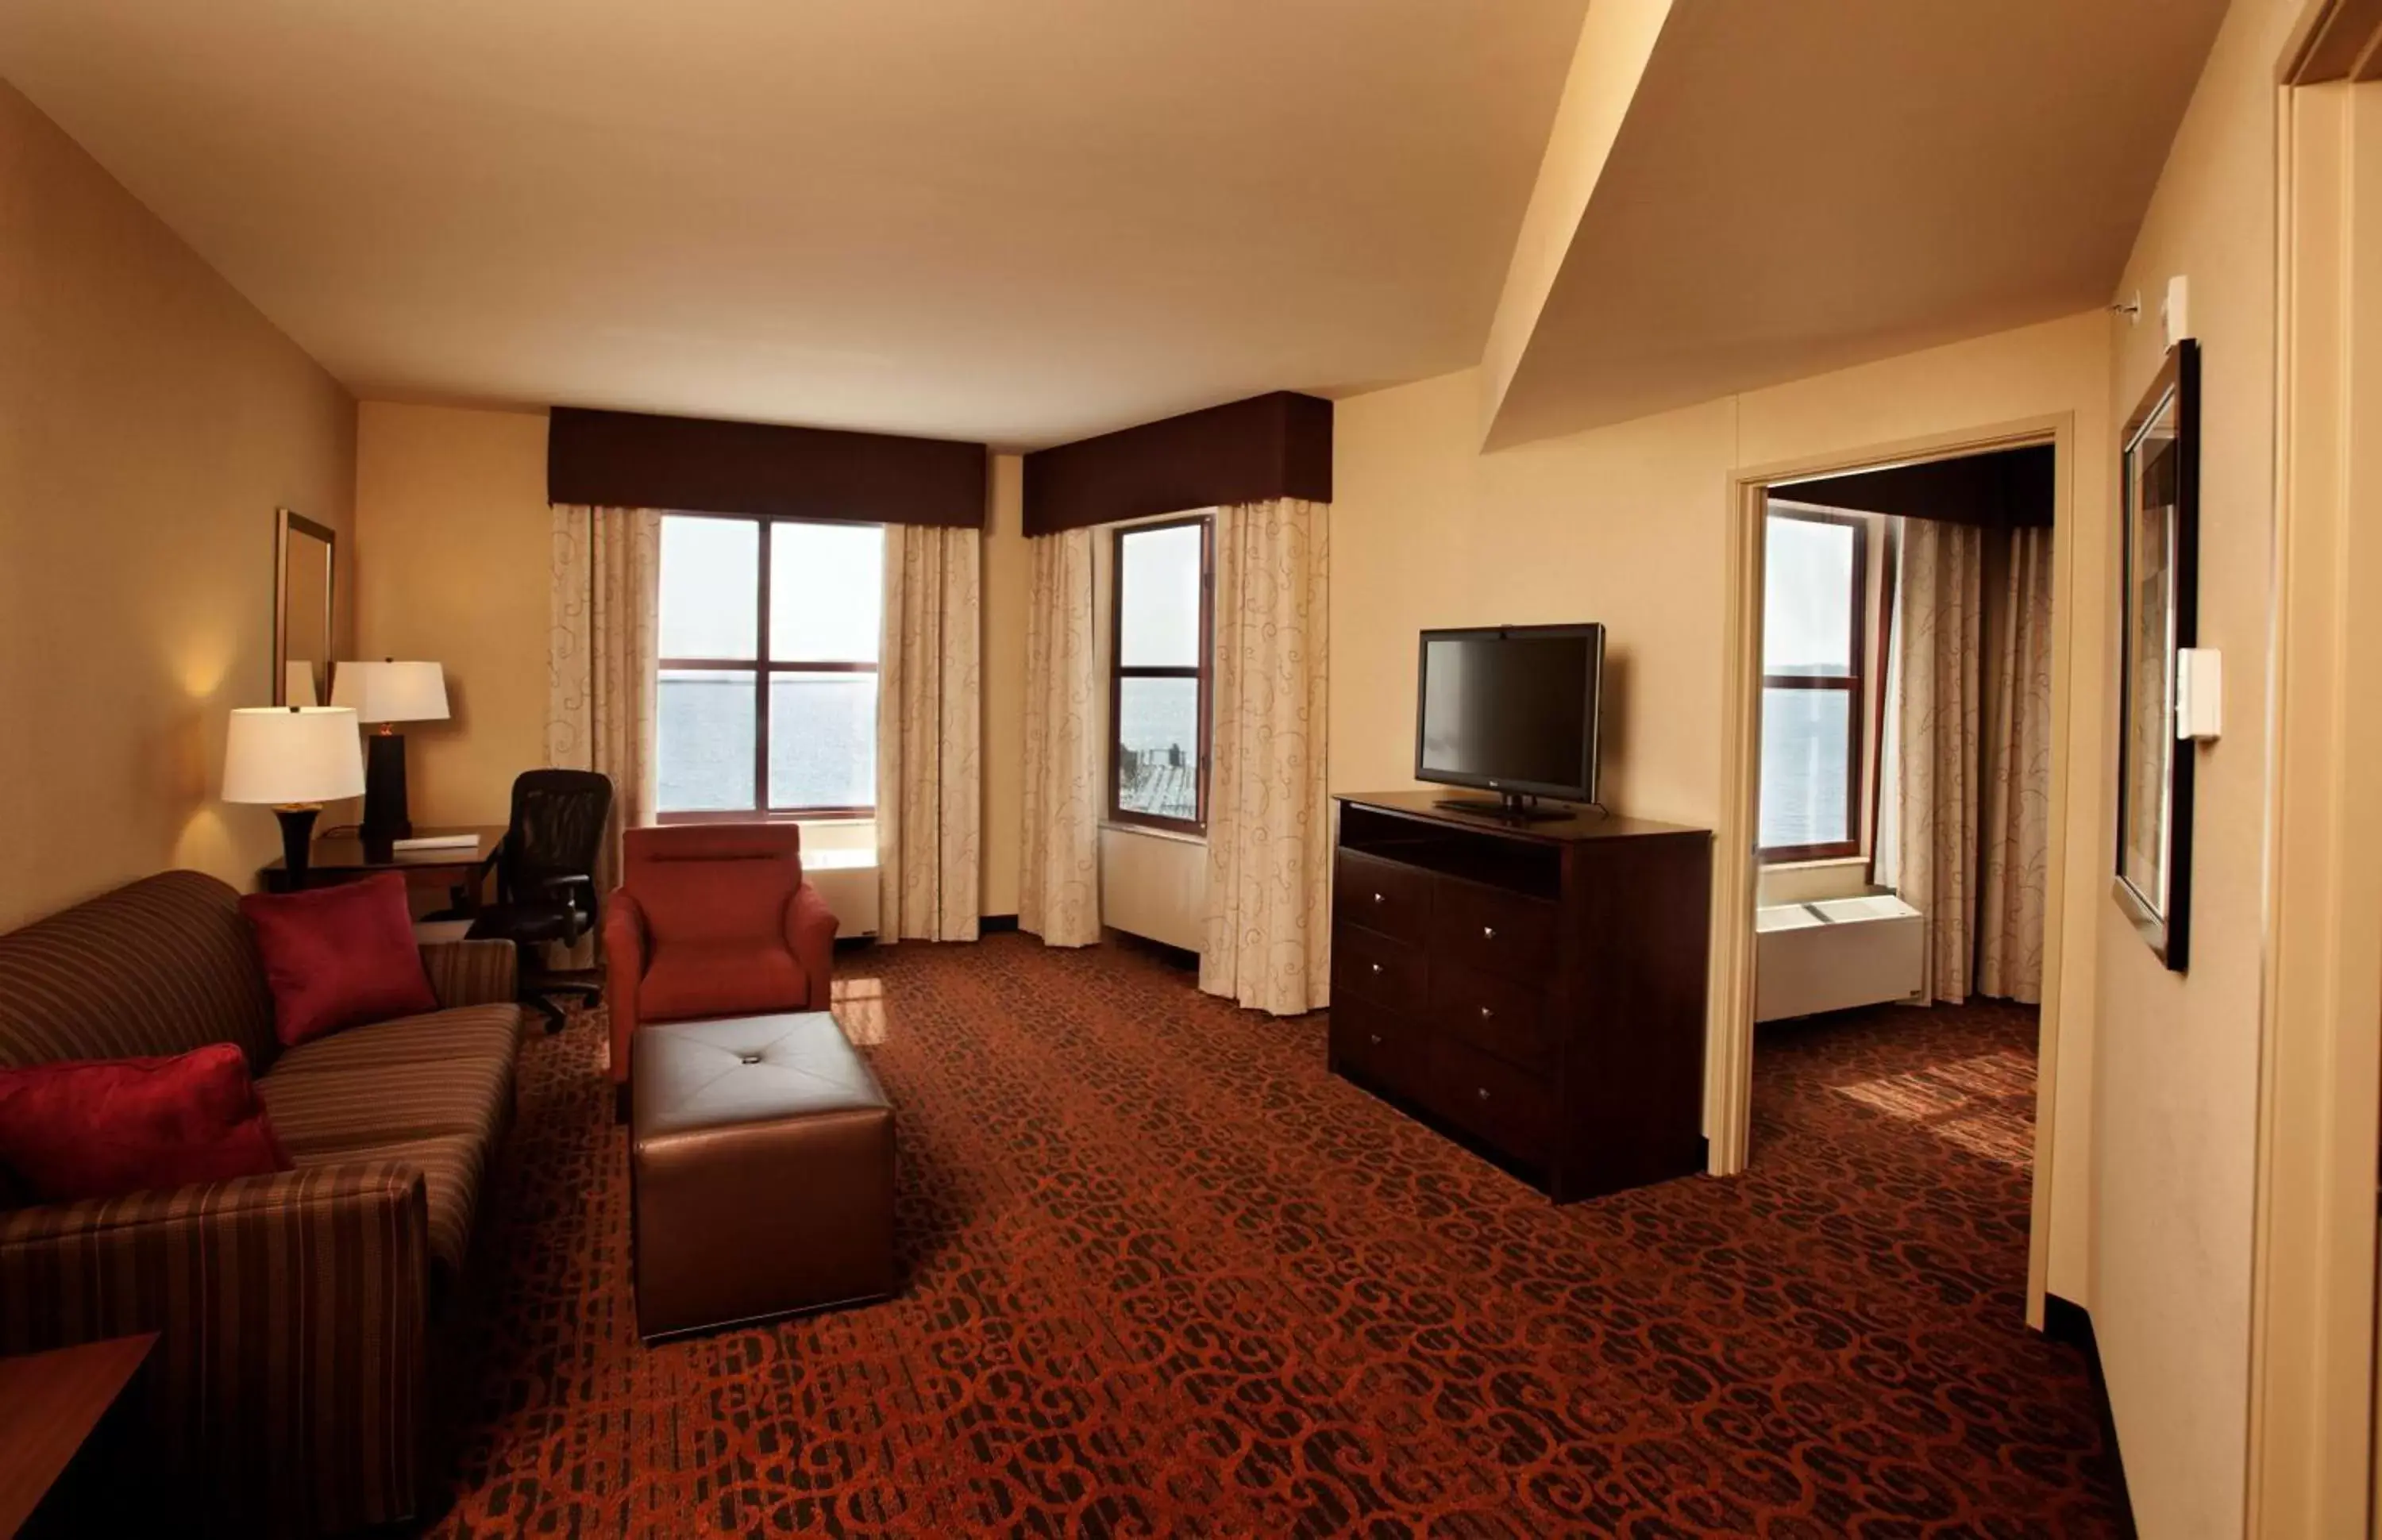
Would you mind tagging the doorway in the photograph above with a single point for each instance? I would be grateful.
(1902, 833)
(1857, 866)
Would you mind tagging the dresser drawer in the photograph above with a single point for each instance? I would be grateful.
(1381, 969)
(1511, 1107)
(1493, 931)
(1498, 1015)
(1381, 895)
(1379, 1045)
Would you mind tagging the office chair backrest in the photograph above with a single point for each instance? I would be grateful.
(557, 829)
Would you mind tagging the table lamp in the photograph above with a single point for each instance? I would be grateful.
(383, 694)
(294, 759)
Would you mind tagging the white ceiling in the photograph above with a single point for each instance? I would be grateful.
(1801, 186)
(1019, 221)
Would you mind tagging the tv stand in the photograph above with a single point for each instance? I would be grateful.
(1512, 807)
(1534, 988)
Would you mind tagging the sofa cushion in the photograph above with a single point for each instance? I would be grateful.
(335, 1105)
(688, 979)
(77, 1129)
(453, 1167)
(160, 966)
(338, 957)
(466, 1032)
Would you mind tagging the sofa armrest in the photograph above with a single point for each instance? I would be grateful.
(471, 972)
(624, 970)
(286, 1382)
(810, 935)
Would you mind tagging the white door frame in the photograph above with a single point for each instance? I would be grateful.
(2312, 1424)
(1736, 872)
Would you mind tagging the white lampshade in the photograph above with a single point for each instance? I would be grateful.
(277, 755)
(390, 691)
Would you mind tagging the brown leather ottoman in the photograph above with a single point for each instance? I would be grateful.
(761, 1155)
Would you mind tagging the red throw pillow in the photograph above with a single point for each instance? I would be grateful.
(338, 957)
(102, 1128)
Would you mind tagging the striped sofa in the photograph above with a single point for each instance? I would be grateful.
(286, 1389)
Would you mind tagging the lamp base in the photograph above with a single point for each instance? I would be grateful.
(296, 839)
(385, 810)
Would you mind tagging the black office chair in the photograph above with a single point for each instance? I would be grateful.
(545, 879)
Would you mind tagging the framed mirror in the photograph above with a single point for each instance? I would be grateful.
(303, 567)
(2159, 602)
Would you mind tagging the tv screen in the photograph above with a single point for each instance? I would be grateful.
(1511, 709)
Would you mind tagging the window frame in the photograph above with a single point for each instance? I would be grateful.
(1855, 683)
(1204, 672)
(762, 666)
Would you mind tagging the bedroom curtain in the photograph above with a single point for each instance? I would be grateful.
(601, 660)
(1058, 886)
(1268, 937)
(2018, 776)
(929, 770)
(1928, 834)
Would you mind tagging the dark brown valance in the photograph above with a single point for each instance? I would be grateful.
(2003, 488)
(1277, 445)
(629, 460)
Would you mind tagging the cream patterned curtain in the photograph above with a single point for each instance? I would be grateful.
(602, 658)
(1929, 837)
(930, 769)
(1268, 934)
(1059, 889)
(2017, 777)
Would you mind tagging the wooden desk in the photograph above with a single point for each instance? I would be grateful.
(50, 1403)
(342, 857)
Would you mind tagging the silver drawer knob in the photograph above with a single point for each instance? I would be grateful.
(1486, 1013)
(1377, 967)
(1377, 898)
(1374, 1038)
(1482, 1093)
(1488, 933)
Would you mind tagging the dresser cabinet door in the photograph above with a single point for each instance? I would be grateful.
(1491, 930)
(1511, 1107)
(1381, 895)
(1496, 1014)
(1379, 1045)
(1379, 969)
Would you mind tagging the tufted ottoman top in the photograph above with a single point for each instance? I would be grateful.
(698, 1078)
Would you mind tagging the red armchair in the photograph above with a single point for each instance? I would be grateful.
(712, 920)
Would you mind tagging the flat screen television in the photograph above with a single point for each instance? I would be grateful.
(1513, 710)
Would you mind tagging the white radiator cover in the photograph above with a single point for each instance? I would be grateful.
(1836, 954)
(847, 880)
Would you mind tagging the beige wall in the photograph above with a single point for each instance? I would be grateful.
(1627, 525)
(452, 550)
(2175, 1122)
(151, 421)
(451, 531)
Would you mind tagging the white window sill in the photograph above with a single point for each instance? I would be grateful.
(1144, 831)
(1832, 863)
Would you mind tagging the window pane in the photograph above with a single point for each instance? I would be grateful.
(822, 740)
(1807, 598)
(826, 592)
(1806, 741)
(706, 734)
(711, 587)
(1158, 747)
(1157, 600)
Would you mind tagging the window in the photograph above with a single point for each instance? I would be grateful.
(769, 668)
(1814, 705)
(1158, 677)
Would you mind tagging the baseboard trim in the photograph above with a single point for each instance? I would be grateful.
(2066, 1321)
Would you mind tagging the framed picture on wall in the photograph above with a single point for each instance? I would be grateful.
(2158, 613)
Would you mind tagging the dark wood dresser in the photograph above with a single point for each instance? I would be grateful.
(1539, 987)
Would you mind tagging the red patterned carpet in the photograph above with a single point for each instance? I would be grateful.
(1166, 1276)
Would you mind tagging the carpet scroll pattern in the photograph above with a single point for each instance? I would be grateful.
(1165, 1276)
